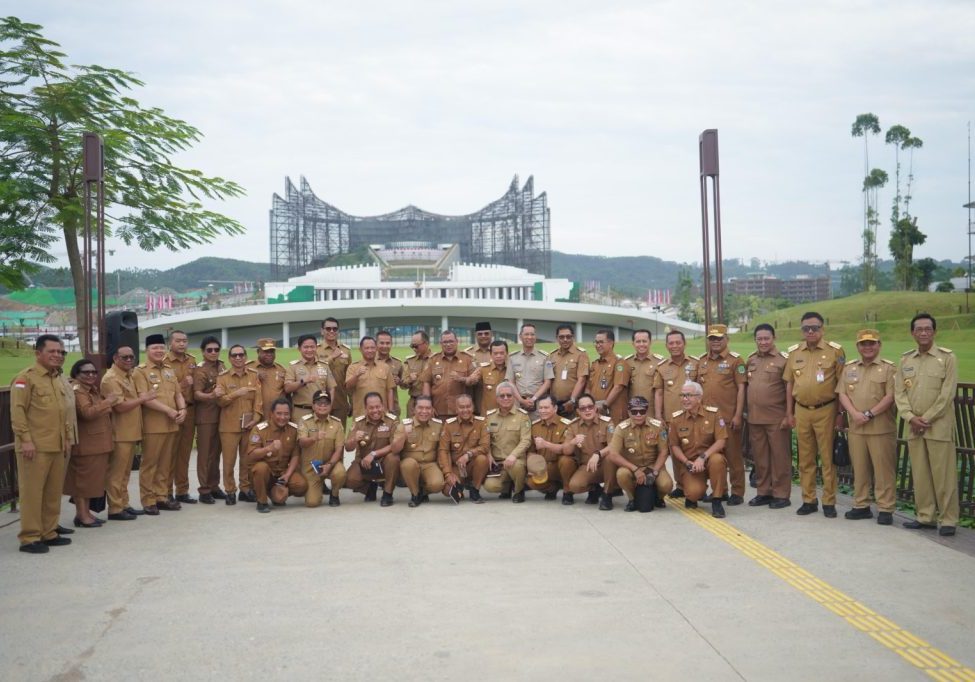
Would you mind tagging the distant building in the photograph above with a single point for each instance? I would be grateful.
(801, 289)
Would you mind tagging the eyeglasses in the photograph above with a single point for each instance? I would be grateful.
(690, 395)
(563, 337)
(212, 350)
(56, 352)
(414, 346)
(806, 328)
(88, 371)
(638, 411)
(330, 329)
(924, 330)
(238, 355)
(126, 357)
(590, 406)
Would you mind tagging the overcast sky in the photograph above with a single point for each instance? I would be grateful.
(440, 104)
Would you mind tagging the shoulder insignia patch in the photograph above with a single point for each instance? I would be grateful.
(225, 371)
(543, 352)
(535, 421)
(783, 354)
(484, 364)
(407, 422)
(677, 414)
(360, 417)
(655, 422)
(734, 354)
(436, 421)
(852, 362)
(492, 411)
(567, 421)
(449, 421)
(294, 362)
(605, 418)
(623, 425)
(262, 426)
(292, 424)
(908, 352)
(630, 356)
(307, 417)
(835, 345)
(945, 350)
(392, 416)
(410, 357)
(478, 417)
(619, 357)
(886, 361)
(76, 387)
(523, 411)
(581, 349)
(658, 356)
(334, 418)
(793, 347)
(711, 408)
(251, 370)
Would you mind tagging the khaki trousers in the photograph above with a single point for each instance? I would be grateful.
(263, 478)
(554, 481)
(580, 479)
(356, 479)
(874, 461)
(207, 457)
(156, 469)
(772, 454)
(41, 482)
(627, 481)
(412, 471)
(815, 430)
(232, 445)
(475, 472)
(736, 461)
(181, 455)
(934, 467)
(516, 476)
(715, 471)
(119, 472)
(316, 484)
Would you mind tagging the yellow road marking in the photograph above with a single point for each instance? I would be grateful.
(912, 649)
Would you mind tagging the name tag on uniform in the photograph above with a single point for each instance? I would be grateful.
(565, 373)
(603, 383)
(820, 376)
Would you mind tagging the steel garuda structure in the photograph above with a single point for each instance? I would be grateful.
(513, 230)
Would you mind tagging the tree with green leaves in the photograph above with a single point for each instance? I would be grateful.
(898, 136)
(910, 144)
(45, 106)
(683, 292)
(872, 184)
(903, 238)
(864, 126)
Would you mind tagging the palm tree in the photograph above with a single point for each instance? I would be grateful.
(864, 126)
(897, 135)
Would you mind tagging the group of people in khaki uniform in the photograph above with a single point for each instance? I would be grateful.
(483, 419)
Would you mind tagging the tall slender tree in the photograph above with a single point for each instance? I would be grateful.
(872, 184)
(897, 135)
(910, 144)
(864, 126)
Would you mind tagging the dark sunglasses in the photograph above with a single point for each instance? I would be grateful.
(126, 357)
(330, 329)
(238, 355)
(212, 350)
(811, 327)
(638, 411)
(88, 371)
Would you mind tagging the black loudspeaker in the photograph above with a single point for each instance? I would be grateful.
(121, 329)
(708, 143)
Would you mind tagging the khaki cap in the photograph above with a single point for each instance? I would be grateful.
(868, 335)
(266, 344)
(537, 470)
(717, 330)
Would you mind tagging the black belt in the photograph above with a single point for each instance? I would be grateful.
(816, 407)
(304, 407)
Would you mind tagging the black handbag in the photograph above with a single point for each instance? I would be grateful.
(841, 450)
(645, 497)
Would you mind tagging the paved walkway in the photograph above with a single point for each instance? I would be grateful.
(495, 591)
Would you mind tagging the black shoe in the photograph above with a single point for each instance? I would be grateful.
(605, 502)
(35, 548)
(856, 513)
(829, 511)
(121, 516)
(630, 506)
(371, 492)
(706, 498)
(552, 495)
(425, 497)
(333, 501)
(677, 493)
(207, 498)
(735, 500)
(568, 498)
(278, 504)
(247, 496)
(917, 525)
(387, 500)
(779, 503)
(151, 510)
(186, 498)
(518, 498)
(505, 495)
(751, 478)
(885, 518)
(218, 494)
(61, 530)
(759, 500)
(946, 531)
(57, 541)
(134, 512)
(78, 523)
(593, 496)
(659, 503)
(690, 504)
(415, 501)
(476, 496)
(263, 507)
(808, 508)
(166, 505)
(230, 498)
(717, 509)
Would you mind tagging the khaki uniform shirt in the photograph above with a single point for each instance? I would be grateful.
(42, 410)
(184, 367)
(491, 376)
(670, 378)
(479, 354)
(458, 438)
(510, 433)
(272, 383)
(265, 433)
(642, 375)
(865, 386)
(695, 433)
(205, 380)
(720, 378)
(94, 428)
(375, 435)
(160, 378)
(377, 379)
(603, 375)
(528, 371)
(553, 431)
(328, 432)
(444, 389)
(597, 434)
(422, 440)
(235, 412)
(640, 445)
(567, 367)
(396, 368)
(766, 394)
(338, 360)
(318, 377)
(924, 386)
(414, 365)
(814, 372)
(126, 426)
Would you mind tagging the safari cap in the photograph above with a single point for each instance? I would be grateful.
(868, 335)
(321, 395)
(265, 344)
(717, 330)
(537, 470)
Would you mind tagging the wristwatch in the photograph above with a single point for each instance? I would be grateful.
(868, 414)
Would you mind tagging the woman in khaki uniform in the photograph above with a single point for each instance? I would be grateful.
(88, 465)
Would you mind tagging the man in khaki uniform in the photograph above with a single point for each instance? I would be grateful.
(270, 372)
(239, 396)
(570, 368)
(487, 375)
(308, 374)
(371, 437)
(866, 392)
(416, 441)
(924, 390)
(445, 376)
(638, 453)
(208, 453)
(510, 431)
(722, 374)
(481, 351)
(812, 370)
(643, 365)
(272, 458)
(162, 413)
(672, 373)
(769, 433)
(548, 433)
(384, 349)
(338, 357)
(126, 433)
(583, 463)
(42, 415)
(413, 368)
(369, 376)
(322, 439)
(183, 364)
(696, 436)
(529, 370)
(464, 450)
(609, 378)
